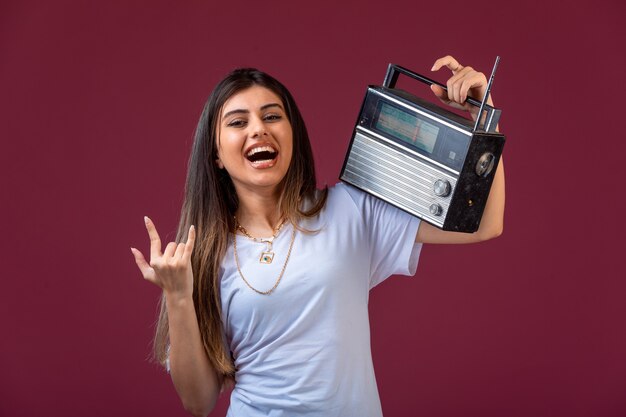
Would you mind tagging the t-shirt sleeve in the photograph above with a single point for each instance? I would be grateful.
(391, 236)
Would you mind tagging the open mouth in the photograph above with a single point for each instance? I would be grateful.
(262, 155)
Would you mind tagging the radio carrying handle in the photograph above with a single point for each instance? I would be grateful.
(493, 114)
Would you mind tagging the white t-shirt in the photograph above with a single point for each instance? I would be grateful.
(304, 350)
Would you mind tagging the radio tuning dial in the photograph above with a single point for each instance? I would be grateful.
(435, 209)
(442, 188)
(485, 164)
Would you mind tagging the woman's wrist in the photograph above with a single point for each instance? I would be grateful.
(177, 300)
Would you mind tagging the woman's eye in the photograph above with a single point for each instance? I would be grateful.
(236, 123)
(272, 117)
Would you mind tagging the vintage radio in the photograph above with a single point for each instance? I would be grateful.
(422, 158)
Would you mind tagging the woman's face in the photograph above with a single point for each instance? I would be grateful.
(255, 140)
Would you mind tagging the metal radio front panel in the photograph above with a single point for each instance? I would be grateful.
(422, 158)
(400, 176)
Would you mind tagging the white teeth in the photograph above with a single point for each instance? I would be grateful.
(260, 149)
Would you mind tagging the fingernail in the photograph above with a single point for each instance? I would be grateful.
(433, 68)
(146, 219)
(192, 227)
(133, 250)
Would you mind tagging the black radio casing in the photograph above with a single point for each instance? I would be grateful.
(442, 174)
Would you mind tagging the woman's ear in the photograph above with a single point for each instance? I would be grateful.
(219, 163)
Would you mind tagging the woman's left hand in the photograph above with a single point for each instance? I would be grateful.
(464, 81)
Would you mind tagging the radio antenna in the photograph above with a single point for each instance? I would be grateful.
(482, 103)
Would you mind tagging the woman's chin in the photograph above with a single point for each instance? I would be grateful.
(263, 181)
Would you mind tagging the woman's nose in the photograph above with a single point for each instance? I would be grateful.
(258, 128)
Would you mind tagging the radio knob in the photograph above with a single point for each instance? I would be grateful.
(485, 164)
(442, 188)
(435, 209)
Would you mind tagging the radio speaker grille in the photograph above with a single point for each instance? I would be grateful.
(396, 177)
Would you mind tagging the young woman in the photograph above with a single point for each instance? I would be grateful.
(267, 287)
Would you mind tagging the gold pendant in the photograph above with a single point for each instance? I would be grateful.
(266, 257)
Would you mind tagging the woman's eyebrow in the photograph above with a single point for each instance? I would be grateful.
(234, 112)
(263, 107)
(272, 105)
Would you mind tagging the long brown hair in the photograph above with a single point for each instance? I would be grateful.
(211, 202)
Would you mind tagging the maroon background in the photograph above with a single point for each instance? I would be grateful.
(99, 101)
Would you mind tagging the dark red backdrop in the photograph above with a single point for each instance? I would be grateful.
(99, 101)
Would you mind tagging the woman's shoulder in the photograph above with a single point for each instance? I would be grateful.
(345, 192)
(343, 197)
(342, 201)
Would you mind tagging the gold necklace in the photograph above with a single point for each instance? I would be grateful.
(268, 256)
(282, 271)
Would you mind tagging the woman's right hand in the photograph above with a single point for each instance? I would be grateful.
(170, 270)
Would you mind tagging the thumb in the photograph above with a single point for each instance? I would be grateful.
(146, 270)
(439, 92)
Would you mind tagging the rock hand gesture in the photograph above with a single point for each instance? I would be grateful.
(170, 270)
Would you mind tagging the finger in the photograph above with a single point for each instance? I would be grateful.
(455, 105)
(155, 240)
(476, 81)
(191, 240)
(180, 249)
(146, 270)
(451, 92)
(442, 95)
(439, 92)
(449, 62)
(169, 250)
(454, 84)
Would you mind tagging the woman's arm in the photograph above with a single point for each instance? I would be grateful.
(193, 376)
(466, 81)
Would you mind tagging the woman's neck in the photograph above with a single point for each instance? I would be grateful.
(258, 213)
